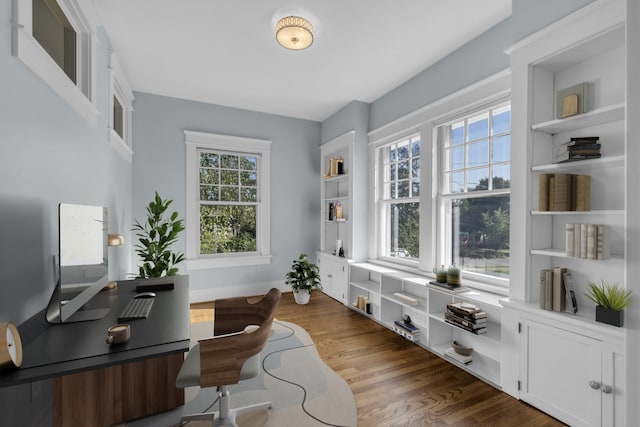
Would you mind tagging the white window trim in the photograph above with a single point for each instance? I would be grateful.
(194, 141)
(426, 120)
(119, 87)
(82, 95)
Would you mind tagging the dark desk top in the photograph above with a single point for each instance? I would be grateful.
(67, 348)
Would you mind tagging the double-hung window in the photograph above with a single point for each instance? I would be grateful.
(227, 201)
(399, 197)
(475, 153)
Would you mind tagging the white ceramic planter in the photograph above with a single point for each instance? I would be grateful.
(301, 297)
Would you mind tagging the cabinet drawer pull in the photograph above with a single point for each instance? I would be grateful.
(607, 389)
(594, 385)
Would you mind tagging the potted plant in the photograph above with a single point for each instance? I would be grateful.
(610, 301)
(303, 278)
(156, 236)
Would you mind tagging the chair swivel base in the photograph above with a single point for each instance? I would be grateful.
(226, 416)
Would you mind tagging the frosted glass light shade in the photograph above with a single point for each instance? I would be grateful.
(293, 32)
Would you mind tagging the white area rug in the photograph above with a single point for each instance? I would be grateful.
(304, 391)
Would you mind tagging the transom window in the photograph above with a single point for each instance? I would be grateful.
(54, 32)
(476, 170)
(400, 198)
(55, 39)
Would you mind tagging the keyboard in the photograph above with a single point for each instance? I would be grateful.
(136, 308)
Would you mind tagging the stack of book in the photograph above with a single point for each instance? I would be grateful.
(407, 330)
(564, 192)
(556, 290)
(578, 148)
(466, 316)
(590, 241)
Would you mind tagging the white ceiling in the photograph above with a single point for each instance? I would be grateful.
(224, 51)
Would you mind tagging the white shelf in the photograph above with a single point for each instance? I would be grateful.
(337, 178)
(421, 305)
(560, 253)
(592, 212)
(369, 286)
(595, 117)
(481, 365)
(590, 164)
(336, 199)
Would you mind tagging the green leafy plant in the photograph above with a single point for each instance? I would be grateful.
(155, 238)
(608, 296)
(303, 276)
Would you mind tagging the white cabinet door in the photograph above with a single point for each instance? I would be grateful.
(561, 372)
(334, 277)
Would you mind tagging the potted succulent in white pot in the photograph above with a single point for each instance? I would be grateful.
(610, 301)
(303, 278)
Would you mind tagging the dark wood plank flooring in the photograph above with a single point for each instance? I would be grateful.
(395, 382)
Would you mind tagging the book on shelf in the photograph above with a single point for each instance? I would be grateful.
(569, 238)
(570, 294)
(582, 193)
(473, 324)
(409, 327)
(580, 156)
(584, 139)
(466, 311)
(603, 250)
(588, 146)
(564, 192)
(546, 288)
(592, 231)
(559, 301)
(543, 191)
(335, 167)
(478, 331)
(577, 148)
(590, 241)
(583, 240)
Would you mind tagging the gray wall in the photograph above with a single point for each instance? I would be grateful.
(529, 16)
(159, 164)
(49, 155)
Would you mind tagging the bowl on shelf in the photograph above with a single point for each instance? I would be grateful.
(461, 349)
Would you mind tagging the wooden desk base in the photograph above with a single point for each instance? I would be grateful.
(113, 395)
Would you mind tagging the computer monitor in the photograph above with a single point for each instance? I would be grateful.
(82, 263)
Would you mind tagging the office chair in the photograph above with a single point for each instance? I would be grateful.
(240, 332)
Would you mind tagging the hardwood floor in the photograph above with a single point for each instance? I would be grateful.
(395, 382)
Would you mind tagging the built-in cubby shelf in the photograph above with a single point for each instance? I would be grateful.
(393, 294)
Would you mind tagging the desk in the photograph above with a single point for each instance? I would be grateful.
(102, 384)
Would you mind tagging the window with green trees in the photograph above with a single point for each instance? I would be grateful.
(400, 198)
(229, 201)
(476, 153)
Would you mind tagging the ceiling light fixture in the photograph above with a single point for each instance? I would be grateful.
(294, 32)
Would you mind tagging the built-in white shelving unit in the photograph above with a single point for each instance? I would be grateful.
(567, 364)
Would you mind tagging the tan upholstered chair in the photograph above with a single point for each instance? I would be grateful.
(240, 332)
